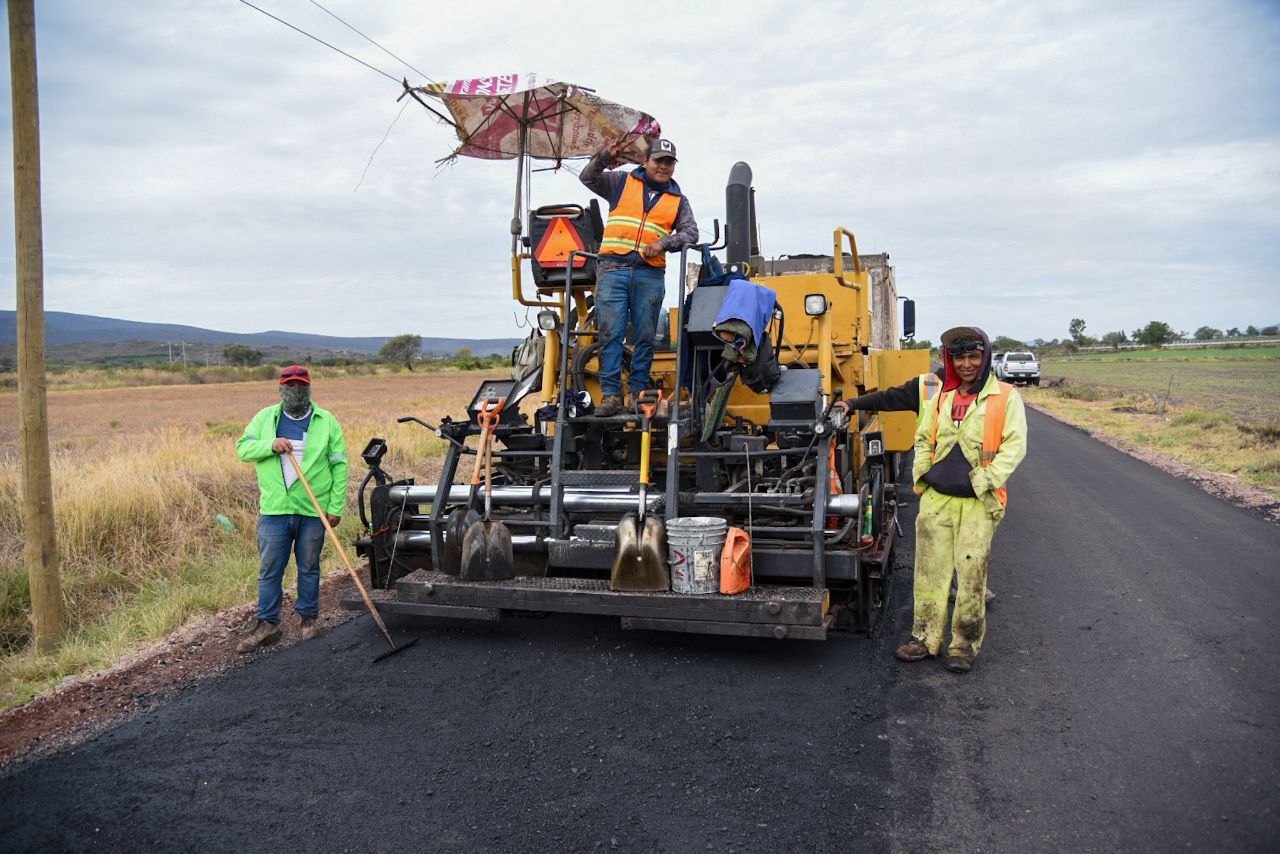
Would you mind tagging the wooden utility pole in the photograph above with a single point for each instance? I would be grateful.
(37, 482)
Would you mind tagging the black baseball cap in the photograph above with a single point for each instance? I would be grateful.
(663, 148)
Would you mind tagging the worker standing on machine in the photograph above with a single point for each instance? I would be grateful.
(648, 217)
(288, 520)
(971, 433)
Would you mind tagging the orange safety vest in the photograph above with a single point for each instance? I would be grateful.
(992, 431)
(631, 227)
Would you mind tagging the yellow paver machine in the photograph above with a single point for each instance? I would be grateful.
(723, 449)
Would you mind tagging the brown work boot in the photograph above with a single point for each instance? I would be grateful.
(610, 405)
(959, 664)
(309, 628)
(912, 650)
(263, 634)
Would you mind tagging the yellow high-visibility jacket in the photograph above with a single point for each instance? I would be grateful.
(988, 480)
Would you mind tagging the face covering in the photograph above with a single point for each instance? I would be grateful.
(297, 399)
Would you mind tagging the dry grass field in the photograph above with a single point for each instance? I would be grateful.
(140, 475)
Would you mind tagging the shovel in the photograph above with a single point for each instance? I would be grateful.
(463, 519)
(486, 547)
(324, 518)
(640, 562)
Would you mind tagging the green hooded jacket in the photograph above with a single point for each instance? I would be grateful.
(324, 462)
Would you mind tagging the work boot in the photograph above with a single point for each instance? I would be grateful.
(263, 634)
(912, 650)
(309, 628)
(610, 405)
(958, 664)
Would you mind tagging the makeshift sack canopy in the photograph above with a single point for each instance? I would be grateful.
(516, 115)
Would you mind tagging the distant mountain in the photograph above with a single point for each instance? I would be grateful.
(72, 332)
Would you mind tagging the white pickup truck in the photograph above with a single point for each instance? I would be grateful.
(1016, 367)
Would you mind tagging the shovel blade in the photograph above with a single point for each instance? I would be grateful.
(487, 554)
(456, 526)
(500, 559)
(640, 562)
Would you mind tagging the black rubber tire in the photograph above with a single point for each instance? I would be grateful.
(585, 355)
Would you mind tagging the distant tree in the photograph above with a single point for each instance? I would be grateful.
(1003, 344)
(1208, 333)
(1252, 330)
(464, 359)
(916, 345)
(1076, 330)
(1155, 334)
(1270, 330)
(242, 356)
(1115, 339)
(401, 349)
(7, 364)
(1233, 332)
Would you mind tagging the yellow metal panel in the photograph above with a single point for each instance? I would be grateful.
(895, 367)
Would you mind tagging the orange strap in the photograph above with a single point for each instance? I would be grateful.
(993, 427)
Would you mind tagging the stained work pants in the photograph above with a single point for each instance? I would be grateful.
(952, 535)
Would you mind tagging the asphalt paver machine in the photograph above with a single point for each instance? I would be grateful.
(813, 486)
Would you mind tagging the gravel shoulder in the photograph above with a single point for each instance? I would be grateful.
(81, 708)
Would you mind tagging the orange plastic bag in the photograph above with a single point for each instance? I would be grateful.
(735, 562)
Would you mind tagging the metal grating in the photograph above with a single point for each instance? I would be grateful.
(599, 477)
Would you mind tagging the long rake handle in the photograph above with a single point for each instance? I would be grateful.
(324, 518)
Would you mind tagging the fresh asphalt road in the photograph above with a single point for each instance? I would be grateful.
(1125, 701)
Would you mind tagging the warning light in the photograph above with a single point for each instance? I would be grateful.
(560, 239)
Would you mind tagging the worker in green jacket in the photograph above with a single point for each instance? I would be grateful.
(288, 520)
(971, 433)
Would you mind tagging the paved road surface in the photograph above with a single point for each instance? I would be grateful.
(1125, 700)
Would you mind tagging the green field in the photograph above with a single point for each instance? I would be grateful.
(1175, 355)
(1237, 382)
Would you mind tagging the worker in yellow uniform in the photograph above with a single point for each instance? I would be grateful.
(971, 433)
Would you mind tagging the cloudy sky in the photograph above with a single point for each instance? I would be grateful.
(1022, 163)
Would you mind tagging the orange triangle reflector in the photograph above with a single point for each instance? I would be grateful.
(560, 239)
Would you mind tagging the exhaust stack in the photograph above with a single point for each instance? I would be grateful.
(740, 215)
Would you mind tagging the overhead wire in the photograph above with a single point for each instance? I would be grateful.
(321, 41)
(371, 41)
(379, 146)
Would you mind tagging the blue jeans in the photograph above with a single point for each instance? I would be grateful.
(634, 294)
(277, 536)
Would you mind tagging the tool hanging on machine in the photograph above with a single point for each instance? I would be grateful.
(640, 561)
(487, 553)
(355, 576)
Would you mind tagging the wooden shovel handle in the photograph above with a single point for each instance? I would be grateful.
(324, 518)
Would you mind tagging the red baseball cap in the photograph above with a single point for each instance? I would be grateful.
(295, 373)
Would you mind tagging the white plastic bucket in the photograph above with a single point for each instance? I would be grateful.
(694, 544)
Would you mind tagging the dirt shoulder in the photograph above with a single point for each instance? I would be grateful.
(81, 708)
